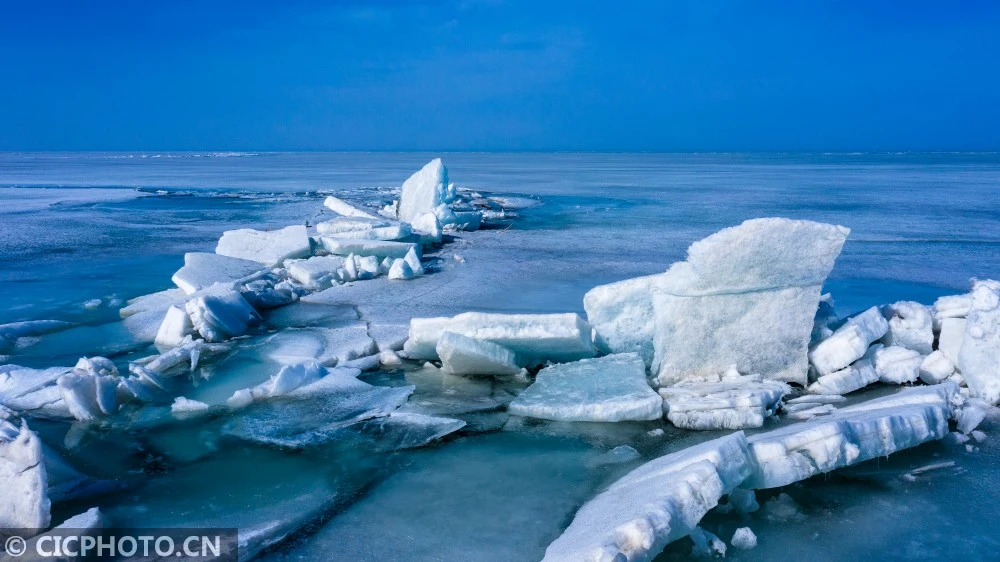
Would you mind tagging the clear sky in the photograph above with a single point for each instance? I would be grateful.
(499, 75)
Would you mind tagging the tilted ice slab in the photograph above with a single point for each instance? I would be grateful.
(535, 338)
(405, 430)
(850, 435)
(325, 346)
(313, 414)
(424, 190)
(910, 326)
(345, 209)
(655, 504)
(270, 248)
(858, 375)
(316, 273)
(23, 480)
(979, 358)
(849, 343)
(746, 295)
(202, 270)
(730, 404)
(461, 355)
(377, 248)
(622, 313)
(607, 389)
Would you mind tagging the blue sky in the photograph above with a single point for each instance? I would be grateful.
(500, 75)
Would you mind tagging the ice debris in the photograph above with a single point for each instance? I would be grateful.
(744, 539)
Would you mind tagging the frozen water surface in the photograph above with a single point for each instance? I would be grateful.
(83, 233)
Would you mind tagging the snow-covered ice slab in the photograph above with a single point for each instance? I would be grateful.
(850, 435)
(746, 295)
(606, 389)
(535, 338)
(364, 248)
(316, 273)
(461, 355)
(979, 358)
(202, 270)
(424, 190)
(23, 480)
(344, 208)
(313, 414)
(736, 404)
(849, 343)
(622, 313)
(910, 326)
(655, 504)
(268, 247)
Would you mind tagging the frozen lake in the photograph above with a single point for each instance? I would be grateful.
(82, 228)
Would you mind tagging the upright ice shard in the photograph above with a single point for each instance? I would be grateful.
(979, 358)
(746, 295)
(23, 482)
(424, 191)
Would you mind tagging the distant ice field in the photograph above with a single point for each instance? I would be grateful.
(75, 227)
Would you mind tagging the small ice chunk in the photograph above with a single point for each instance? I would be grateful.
(910, 326)
(622, 313)
(378, 248)
(202, 270)
(291, 377)
(607, 389)
(655, 504)
(88, 397)
(951, 338)
(220, 313)
(734, 404)
(897, 365)
(423, 191)
(176, 326)
(979, 358)
(182, 405)
(979, 436)
(461, 355)
(412, 259)
(92, 304)
(853, 434)
(619, 455)
(23, 480)
(345, 209)
(971, 415)
(655, 432)
(849, 343)
(951, 306)
(316, 273)
(935, 368)
(746, 295)
(270, 248)
(707, 545)
(744, 539)
(535, 338)
(389, 359)
(858, 375)
(428, 227)
(400, 270)
(743, 500)
(97, 366)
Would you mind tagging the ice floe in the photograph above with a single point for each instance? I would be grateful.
(606, 389)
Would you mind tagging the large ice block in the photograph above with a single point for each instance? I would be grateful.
(746, 295)
(535, 338)
(424, 190)
(461, 355)
(202, 270)
(655, 504)
(979, 358)
(849, 343)
(268, 247)
(606, 389)
(622, 313)
(731, 404)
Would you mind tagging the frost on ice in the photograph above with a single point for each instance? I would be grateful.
(607, 389)
(746, 295)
